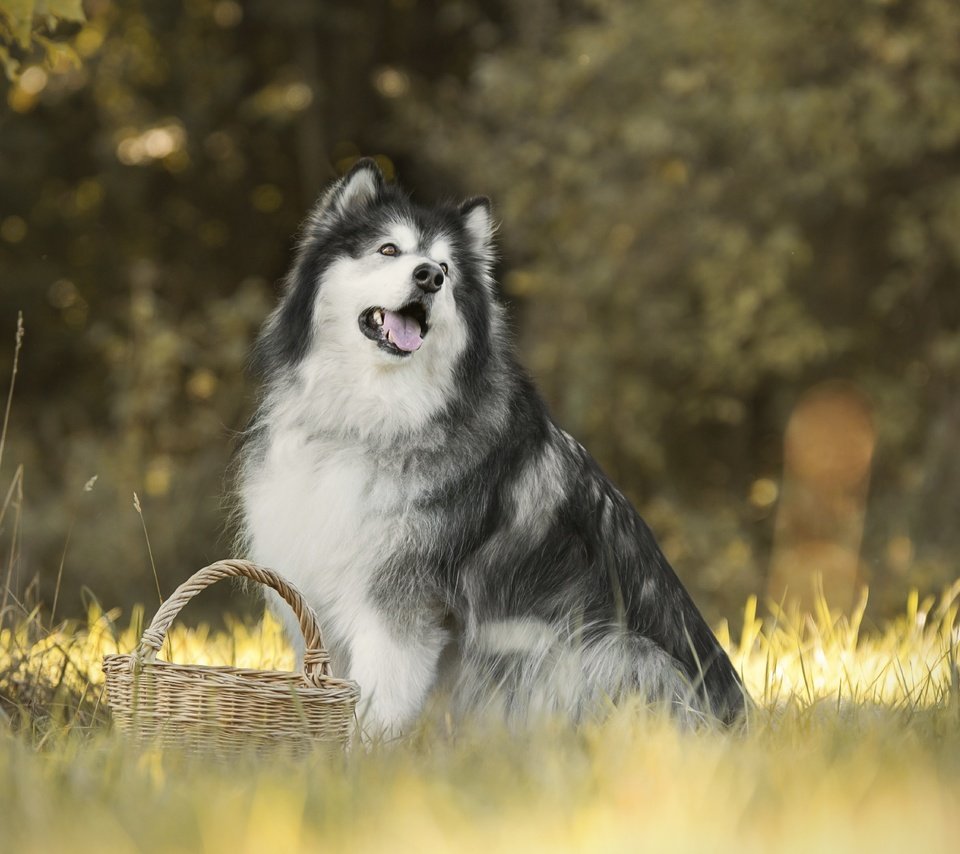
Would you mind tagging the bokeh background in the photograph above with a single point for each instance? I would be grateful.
(730, 238)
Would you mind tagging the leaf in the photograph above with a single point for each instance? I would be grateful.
(20, 15)
(10, 66)
(59, 54)
(67, 10)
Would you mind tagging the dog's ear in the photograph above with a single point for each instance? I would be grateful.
(355, 190)
(478, 222)
(360, 186)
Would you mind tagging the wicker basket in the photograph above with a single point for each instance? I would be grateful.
(229, 710)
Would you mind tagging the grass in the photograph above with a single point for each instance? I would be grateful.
(855, 742)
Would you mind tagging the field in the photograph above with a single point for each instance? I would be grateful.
(731, 266)
(855, 744)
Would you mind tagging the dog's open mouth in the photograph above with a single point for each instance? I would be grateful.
(399, 332)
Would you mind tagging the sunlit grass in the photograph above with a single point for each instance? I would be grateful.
(909, 662)
(855, 744)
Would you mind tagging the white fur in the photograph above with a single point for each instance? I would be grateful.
(544, 670)
(480, 227)
(350, 383)
(517, 634)
(318, 506)
(538, 491)
(395, 676)
(319, 511)
(359, 189)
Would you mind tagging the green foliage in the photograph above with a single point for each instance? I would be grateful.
(708, 207)
(32, 27)
(148, 202)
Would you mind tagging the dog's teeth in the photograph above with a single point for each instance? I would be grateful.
(378, 317)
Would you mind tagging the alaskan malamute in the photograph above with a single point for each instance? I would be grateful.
(403, 472)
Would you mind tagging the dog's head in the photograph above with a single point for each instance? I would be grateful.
(386, 298)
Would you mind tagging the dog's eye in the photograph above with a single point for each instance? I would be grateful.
(389, 249)
(445, 268)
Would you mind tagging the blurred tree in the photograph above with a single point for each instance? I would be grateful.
(148, 199)
(708, 207)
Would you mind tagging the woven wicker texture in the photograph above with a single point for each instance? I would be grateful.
(229, 710)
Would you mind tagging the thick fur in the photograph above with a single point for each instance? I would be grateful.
(429, 507)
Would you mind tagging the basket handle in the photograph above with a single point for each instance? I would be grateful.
(316, 660)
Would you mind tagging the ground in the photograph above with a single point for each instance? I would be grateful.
(855, 743)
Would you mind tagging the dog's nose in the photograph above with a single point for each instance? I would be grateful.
(429, 277)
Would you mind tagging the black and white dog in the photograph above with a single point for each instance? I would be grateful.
(403, 472)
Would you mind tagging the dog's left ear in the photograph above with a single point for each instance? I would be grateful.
(478, 222)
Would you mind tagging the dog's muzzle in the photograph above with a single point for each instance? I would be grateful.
(397, 331)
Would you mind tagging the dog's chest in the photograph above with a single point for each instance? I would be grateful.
(324, 515)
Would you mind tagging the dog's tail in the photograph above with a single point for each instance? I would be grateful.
(665, 613)
(711, 673)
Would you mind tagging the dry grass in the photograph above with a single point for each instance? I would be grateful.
(856, 742)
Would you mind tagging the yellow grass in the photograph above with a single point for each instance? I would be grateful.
(855, 745)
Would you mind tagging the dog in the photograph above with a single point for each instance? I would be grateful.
(404, 473)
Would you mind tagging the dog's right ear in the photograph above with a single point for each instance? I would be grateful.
(358, 188)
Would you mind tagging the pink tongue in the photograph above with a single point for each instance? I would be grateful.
(404, 332)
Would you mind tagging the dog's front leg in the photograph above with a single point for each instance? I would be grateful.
(395, 666)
